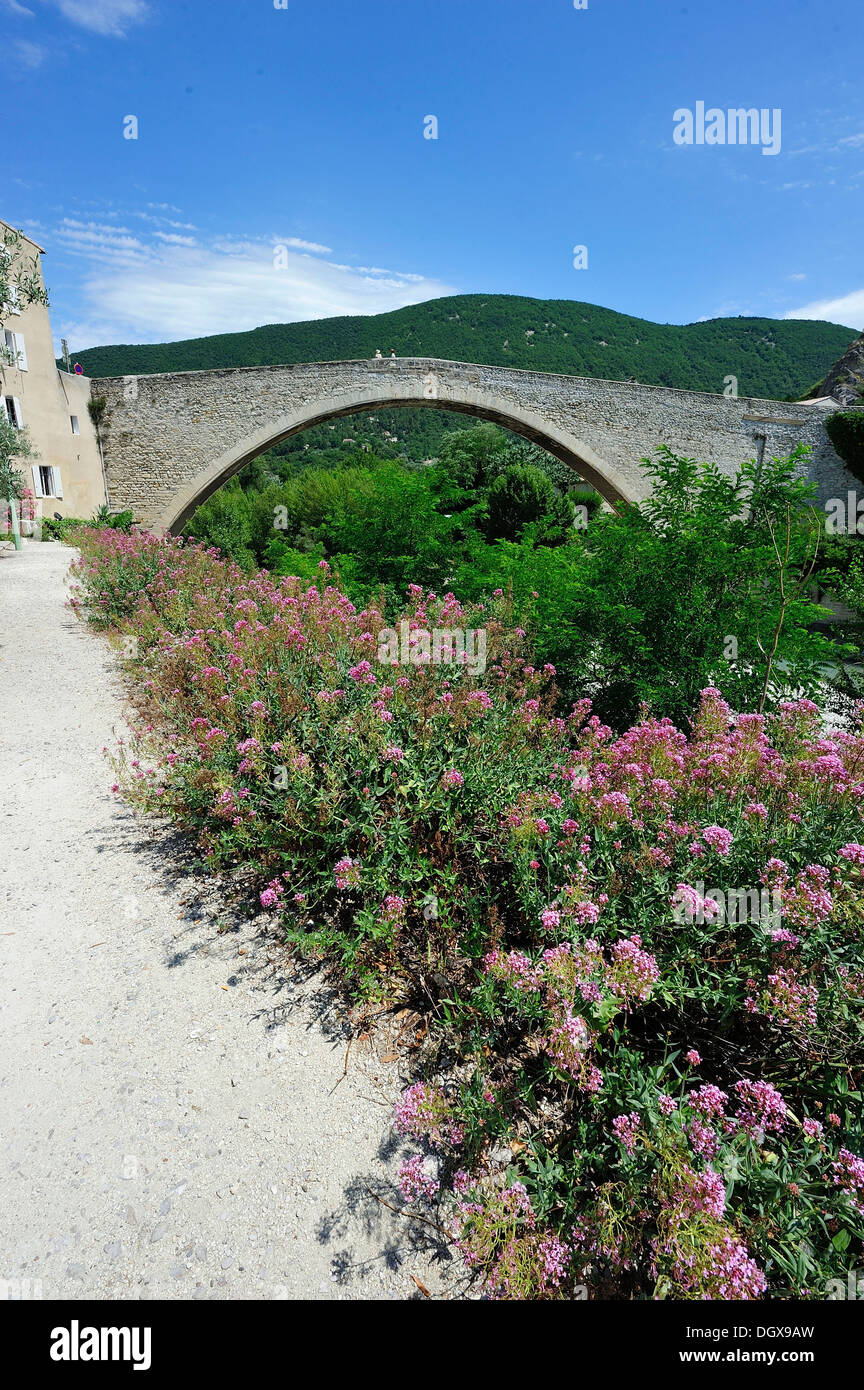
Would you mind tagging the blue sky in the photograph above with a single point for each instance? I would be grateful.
(303, 127)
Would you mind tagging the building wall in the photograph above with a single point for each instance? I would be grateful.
(48, 399)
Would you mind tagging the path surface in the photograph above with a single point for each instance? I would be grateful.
(169, 1126)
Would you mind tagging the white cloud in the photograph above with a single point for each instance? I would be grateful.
(856, 140)
(109, 17)
(28, 55)
(21, 11)
(847, 309)
(154, 287)
(299, 245)
(799, 275)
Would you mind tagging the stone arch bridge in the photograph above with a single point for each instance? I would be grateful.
(171, 440)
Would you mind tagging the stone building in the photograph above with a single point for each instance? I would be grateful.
(68, 476)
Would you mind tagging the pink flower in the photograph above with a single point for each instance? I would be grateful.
(452, 778)
(693, 1057)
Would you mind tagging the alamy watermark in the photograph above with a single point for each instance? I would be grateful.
(737, 126)
(440, 647)
(692, 904)
(845, 516)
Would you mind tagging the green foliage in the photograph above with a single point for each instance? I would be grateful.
(845, 429)
(118, 521)
(62, 529)
(773, 358)
(20, 277)
(524, 496)
(14, 444)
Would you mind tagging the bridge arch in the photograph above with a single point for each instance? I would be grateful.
(172, 439)
(483, 405)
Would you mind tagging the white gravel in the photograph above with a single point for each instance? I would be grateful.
(169, 1126)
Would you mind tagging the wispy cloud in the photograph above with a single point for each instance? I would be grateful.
(109, 17)
(152, 285)
(13, 7)
(299, 245)
(29, 55)
(846, 308)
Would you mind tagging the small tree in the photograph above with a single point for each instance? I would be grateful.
(14, 444)
(20, 282)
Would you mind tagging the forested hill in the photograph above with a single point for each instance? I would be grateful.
(773, 358)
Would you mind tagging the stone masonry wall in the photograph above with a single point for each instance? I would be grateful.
(171, 440)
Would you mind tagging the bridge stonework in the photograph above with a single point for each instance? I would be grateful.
(171, 440)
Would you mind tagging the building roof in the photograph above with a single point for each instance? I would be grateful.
(40, 249)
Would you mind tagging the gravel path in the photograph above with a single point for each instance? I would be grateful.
(169, 1126)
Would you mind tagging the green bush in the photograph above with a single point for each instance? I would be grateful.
(845, 429)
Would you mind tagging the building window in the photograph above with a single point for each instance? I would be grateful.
(73, 420)
(15, 351)
(47, 481)
(12, 411)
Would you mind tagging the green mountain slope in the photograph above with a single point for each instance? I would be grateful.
(773, 358)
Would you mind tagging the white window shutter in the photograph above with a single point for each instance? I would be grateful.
(57, 483)
(20, 351)
(16, 408)
(37, 482)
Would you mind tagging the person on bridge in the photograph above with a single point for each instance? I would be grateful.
(379, 356)
(392, 355)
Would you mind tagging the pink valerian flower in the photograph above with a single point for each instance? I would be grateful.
(782, 936)
(625, 1128)
(554, 1256)
(722, 1269)
(761, 1108)
(699, 1192)
(424, 1111)
(786, 1000)
(452, 778)
(812, 1128)
(567, 1044)
(362, 673)
(418, 1179)
(478, 700)
(347, 873)
(550, 918)
(633, 972)
(393, 910)
(392, 755)
(847, 1173)
(693, 1056)
(703, 1139)
(688, 905)
(666, 1105)
(709, 1101)
(272, 893)
(718, 838)
(613, 807)
(854, 853)
(756, 810)
(514, 968)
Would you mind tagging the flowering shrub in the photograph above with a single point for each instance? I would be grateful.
(680, 1099)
